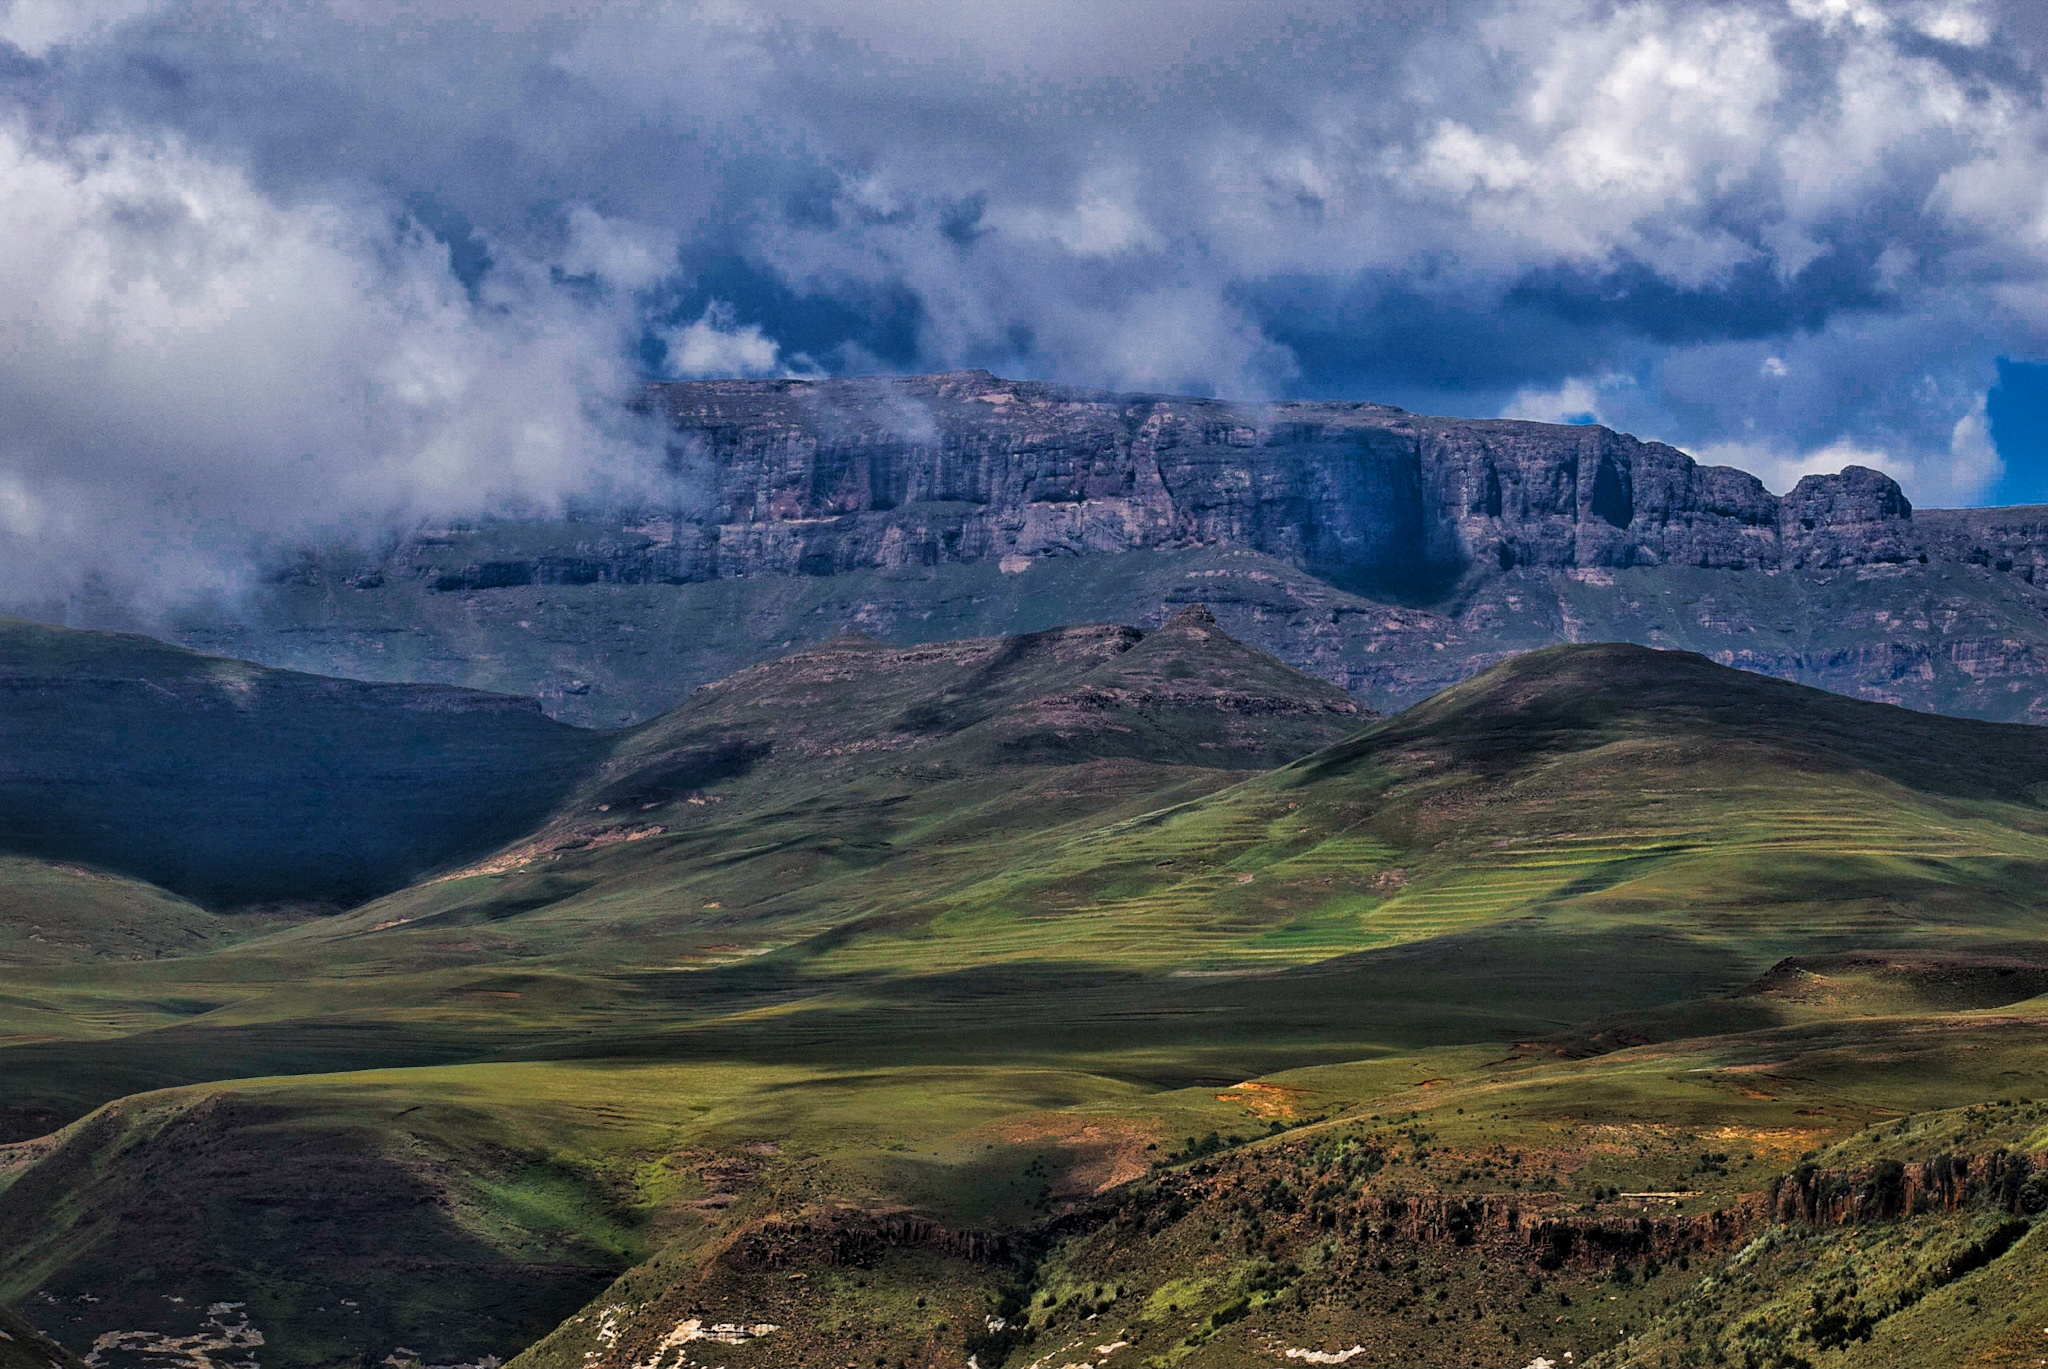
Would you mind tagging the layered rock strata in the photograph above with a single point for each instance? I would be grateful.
(814, 478)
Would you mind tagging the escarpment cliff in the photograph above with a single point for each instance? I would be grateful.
(1387, 552)
(800, 477)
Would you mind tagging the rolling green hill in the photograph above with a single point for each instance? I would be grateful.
(1017, 997)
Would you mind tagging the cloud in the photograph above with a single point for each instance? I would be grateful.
(193, 375)
(1175, 338)
(1974, 465)
(340, 263)
(719, 345)
(1578, 400)
(626, 255)
(37, 26)
(1631, 124)
(1102, 222)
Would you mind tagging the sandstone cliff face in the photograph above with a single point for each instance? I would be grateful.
(815, 478)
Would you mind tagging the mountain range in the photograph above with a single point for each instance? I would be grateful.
(1387, 553)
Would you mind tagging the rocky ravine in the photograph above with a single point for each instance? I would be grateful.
(1388, 552)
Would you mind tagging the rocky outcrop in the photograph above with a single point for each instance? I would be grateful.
(2011, 541)
(790, 477)
(1857, 518)
(2005, 1180)
(814, 478)
(1546, 1230)
(843, 1235)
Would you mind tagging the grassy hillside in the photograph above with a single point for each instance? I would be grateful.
(1580, 790)
(1615, 791)
(53, 913)
(863, 722)
(231, 784)
(1019, 980)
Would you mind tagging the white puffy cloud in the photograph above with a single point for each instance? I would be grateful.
(1577, 400)
(628, 255)
(1627, 124)
(1973, 467)
(719, 345)
(192, 373)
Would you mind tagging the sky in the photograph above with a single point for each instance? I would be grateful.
(313, 269)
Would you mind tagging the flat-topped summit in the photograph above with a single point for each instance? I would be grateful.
(815, 477)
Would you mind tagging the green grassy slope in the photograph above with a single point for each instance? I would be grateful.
(907, 990)
(1624, 789)
(52, 913)
(1580, 790)
(1618, 1211)
(865, 768)
(1944, 1283)
(850, 746)
(465, 1211)
(854, 713)
(344, 1218)
(1586, 825)
(845, 783)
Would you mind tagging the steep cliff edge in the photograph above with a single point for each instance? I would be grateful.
(789, 477)
(800, 477)
(1388, 552)
(808, 478)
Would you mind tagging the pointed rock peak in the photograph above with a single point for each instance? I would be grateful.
(1193, 616)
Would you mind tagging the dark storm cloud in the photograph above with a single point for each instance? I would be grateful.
(394, 259)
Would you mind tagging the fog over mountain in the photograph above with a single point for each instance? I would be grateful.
(328, 269)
